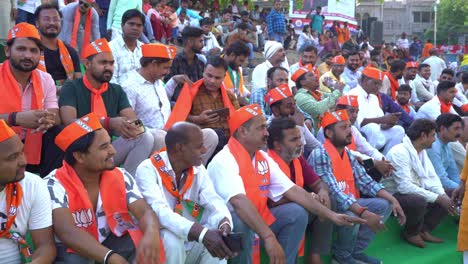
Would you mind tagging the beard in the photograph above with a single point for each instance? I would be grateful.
(18, 65)
(102, 77)
(50, 34)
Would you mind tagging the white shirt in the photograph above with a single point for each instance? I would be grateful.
(210, 42)
(431, 109)
(29, 5)
(148, 100)
(34, 212)
(259, 75)
(425, 89)
(369, 106)
(59, 198)
(403, 43)
(437, 66)
(460, 98)
(125, 59)
(163, 203)
(224, 172)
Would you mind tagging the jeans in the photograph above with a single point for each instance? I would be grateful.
(103, 24)
(251, 47)
(289, 228)
(353, 240)
(24, 16)
(277, 37)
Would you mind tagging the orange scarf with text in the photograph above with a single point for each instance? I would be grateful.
(97, 103)
(14, 195)
(229, 83)
(11, 102)
(299, 178)
(184, 103)
(87, 28)
(65, 58)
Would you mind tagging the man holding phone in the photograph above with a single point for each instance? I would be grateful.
(176, 185)
(94, 93)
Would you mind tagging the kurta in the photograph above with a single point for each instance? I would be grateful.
(463, 226)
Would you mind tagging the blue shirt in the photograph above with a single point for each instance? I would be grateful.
(441, 157)
(351, 78)
(192, 14)
(276, 22)
(389, 106)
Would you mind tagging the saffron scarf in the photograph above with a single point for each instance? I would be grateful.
(65, 58)
(87, 27)
(97, 103)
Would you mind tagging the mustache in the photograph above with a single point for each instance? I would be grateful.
(26, 60)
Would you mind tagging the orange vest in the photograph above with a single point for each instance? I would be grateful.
(342, 169)
(113, 195)
(11, 102)
(184, 103)
(393, 85)
(229, 83)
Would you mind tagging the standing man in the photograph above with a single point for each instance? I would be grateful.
(80, 24)
(280, 228)
(192, 215)
(235, 56)
(24, 205)
(317, 19)
(94, 93)
(437, 64)
(93, 202)
(276, 23)
(8, 13)
(126, 47)
(59, 59)
(25, 11)
(29, 96)
(347, 180)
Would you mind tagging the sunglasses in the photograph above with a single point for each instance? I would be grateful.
(86, 5)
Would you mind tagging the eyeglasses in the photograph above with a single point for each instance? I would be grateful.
(83, 3)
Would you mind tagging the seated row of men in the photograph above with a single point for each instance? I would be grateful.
(244, 189)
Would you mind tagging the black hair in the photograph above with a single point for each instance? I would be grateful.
(239, 48)
(47, 6)
(216, 62)
(308, 48)
(191, 32)
(80, 145)
(244, 13)
(448, 71)
(423, 65)
(145, 61)
(227, 11)
(465, 78)
(404, 88)
(176, 136)
(329, 127)
(447, 120)
(275, 129)
(397, 65)
(131, 13)
(243, 26)
(206, 21)
(444, 86)
(272, 70)
(420, 126)
(351, 53)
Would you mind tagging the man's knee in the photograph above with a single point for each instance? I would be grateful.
(210, 138)
(159, 137)
(172, 243)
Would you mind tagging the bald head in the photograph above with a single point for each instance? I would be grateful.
(181, 133)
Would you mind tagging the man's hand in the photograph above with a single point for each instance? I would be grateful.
(391, 119)
(116, 259)
(225, 227)
(41, 120)
(339, 86)
(213, 241)
(374, 221)
(207, 117)
(148, 250)
(274, 250)
(346, 220)
(181, 79)
(13, 13)
(309, 124)
(459, 193)
(123, 127)
(384, 167)
(398, 212)
(324, 198)
(242, 100)
(444, 201)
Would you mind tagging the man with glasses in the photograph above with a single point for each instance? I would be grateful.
(58, 58)
(80, 24)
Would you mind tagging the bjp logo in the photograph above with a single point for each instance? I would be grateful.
(83, 218)
(262, 167)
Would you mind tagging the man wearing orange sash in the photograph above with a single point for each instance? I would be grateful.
(235, 56)
(24, 206)
(94, 93)
(330, 78)
(285, 148)
(58, 58)
(347, 180)
(93, 202)
(29, 101)
(246, 177)
(192, 212)
(308, 56)
(390, 81)
(80, 24)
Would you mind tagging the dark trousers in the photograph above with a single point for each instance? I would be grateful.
(51, 155)
(420, 215)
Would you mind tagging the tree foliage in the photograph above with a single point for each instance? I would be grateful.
(452, 21)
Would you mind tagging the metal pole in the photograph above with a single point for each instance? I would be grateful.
(435, 25)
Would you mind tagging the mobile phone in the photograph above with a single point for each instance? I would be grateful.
(222, 112)
(139, 125)
(234, 242)
(368, 164)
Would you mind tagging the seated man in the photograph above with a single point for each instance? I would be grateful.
(308, 55)
(330, 78)
(309, 98)
(211, 45)
(193, 217)
(235, 55)
(276, 76)
(380, 130)
(403, 98)
(389, 106)
(231, 171)
(390, 82)
(415, 184)
(441, 103)
(94, 93)
(94, 202)
(285, 148)
(425, 88)
(24, 206)
(449, 129)
(347, 180)
(29, 102)
(460, 146)
(408, 78)
(197, 102)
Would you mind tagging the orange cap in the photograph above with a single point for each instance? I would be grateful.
(373, 73)
(412, 64)
(277, 94)
(23, 30)
(301, 71)
(157, 50)
(98, 46)
(338, 60)
(77, 129)
(5, 131)
(351, 100)
(242, 115)
(330, 118)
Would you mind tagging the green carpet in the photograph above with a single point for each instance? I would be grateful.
(391, 249)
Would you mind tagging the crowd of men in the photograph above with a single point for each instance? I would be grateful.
(156, 155)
